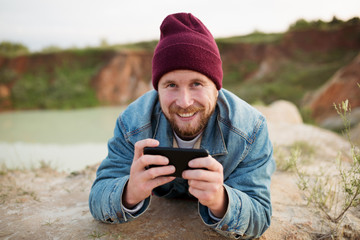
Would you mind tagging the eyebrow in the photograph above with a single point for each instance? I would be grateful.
(167, 81)
(198, 80)
(191, 81)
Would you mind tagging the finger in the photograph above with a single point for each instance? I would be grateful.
(202, 175)
(156, 182)
(147, 160)
(156, 172)
(204, 186)
(207, 162)
(139, 146)
(203, 196)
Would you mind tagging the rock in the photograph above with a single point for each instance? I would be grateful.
(355, 134)
(4, 91)
(336, 123)
(124, 78)
(343, 85)
(281, 111)
(5, 97)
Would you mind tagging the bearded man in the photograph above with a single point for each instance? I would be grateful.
(188, 108)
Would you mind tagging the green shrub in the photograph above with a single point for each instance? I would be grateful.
(285, 156)
(334, 195)
(10, 49)
(253, 38)
(302, 24)
(7, 75)
(67, 87)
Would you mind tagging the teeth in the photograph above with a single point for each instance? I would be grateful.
(185, 115)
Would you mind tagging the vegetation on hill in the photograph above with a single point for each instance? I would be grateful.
(64, 85)
(10, 49)
(302, 24)
(305, 72)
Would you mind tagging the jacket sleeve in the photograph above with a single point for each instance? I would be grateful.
(248, 189)
(111, 178)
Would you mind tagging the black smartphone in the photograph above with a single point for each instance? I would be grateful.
(178, 157)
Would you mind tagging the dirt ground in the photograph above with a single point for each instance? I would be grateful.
(46, 204)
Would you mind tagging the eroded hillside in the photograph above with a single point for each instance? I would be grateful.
(290, 66)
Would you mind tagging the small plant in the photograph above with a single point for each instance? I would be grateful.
(50, 222)
(285, 157)
(46, 165)
(96, 235)
(307, 150)
(350, 178)
(284, 161)
(3, 169)
(32, 194)
(3, 197)
(334, 195)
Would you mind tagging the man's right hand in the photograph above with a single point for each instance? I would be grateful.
(142, 181)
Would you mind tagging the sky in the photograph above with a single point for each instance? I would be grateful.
(80, 23)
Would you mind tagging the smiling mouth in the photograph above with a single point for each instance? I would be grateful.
(186, 115)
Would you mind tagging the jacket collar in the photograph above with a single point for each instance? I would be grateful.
(213, 139)
(162, 131)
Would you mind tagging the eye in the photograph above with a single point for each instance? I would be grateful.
(197, 84)
(171, 85)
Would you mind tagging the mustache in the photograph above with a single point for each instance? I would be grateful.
(193, 108)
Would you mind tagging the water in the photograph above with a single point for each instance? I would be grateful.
(66, 140)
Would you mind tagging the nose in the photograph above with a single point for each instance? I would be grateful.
(184, 98)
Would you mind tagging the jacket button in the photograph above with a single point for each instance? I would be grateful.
(224, 227)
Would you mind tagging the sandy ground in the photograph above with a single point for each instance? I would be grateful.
(46, 204)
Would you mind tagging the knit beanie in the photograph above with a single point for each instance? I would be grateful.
(186, 44)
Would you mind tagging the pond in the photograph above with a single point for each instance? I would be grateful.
(67, 140)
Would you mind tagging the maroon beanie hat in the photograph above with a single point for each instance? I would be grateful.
(186, 44)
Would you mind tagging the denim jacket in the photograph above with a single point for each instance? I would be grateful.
(236, 136)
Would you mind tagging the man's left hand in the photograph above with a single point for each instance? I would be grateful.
(207, 184)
